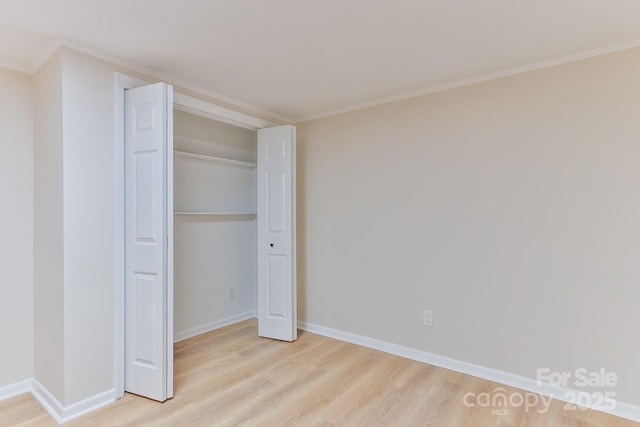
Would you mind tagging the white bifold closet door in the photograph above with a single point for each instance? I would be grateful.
(277, 314)
(148, 241)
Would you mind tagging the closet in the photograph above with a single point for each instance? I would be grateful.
(207, 219)
(215, 267)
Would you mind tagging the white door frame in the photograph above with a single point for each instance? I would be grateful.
(182, 102)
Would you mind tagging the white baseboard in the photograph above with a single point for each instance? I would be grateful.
(48, 401)
(202, 329)
(88, 405)
(15, 389)
(623, 410)
(627, 411)
(62, 414)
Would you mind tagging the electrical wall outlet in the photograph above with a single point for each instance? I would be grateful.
(428, 318)
(231, 293)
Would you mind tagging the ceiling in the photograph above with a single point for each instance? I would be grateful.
(308, 58)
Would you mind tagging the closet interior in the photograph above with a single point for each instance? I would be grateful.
(215, 270)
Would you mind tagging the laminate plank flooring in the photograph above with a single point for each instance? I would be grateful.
(231, 377)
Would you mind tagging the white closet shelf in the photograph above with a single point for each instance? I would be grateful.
(212, 159)
(213, 213)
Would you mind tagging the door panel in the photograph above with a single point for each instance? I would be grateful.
(277, 188)
(277, 314)
(146, 196)
(148, 282)
(277, 279)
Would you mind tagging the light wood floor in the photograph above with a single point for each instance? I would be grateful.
(232, 377)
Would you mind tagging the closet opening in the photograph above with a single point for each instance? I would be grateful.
(204, 229)
(214, 224)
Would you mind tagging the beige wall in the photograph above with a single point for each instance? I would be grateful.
(74, 246)
(16, 227)
(511, 208)
(48, 229)
(88, 226)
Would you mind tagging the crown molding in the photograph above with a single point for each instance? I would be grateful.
(62, 43)
(474, 80)
(14, 67)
